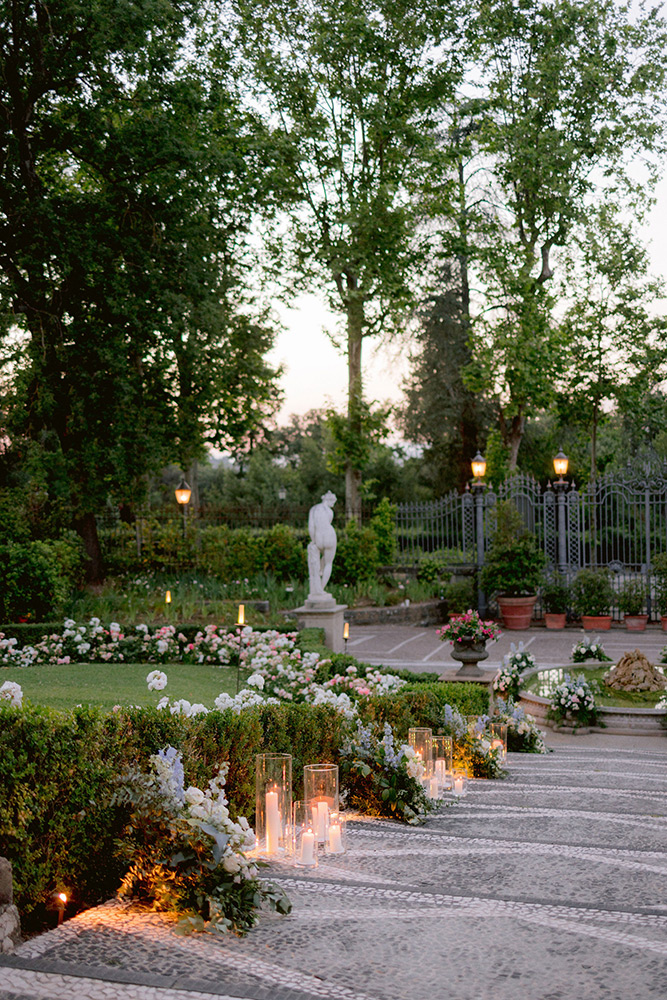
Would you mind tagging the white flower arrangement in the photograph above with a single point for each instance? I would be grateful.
(589, 648)
(573, 700)
(12, 692)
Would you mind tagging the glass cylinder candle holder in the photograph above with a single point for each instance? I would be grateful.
(421, 740)
(273, 803)
(459, 784)
(320, 783)
(304, 841)
(442, 760)
(337, 833)
(499, 740)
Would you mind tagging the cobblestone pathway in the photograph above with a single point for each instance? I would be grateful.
(551, 885)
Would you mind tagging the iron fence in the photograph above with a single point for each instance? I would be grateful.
(619, 521)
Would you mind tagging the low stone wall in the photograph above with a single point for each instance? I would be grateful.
(424, 613)
(10, 924)
(617, 721)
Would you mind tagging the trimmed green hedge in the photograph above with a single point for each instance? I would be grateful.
(423, 705)
(58, 772)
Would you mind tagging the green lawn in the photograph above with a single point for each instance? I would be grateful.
(543, 682)
(107, 685)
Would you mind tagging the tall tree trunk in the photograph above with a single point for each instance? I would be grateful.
(355, 325)
(86, 528)
(514, 440)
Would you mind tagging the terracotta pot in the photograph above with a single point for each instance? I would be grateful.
(516, 611)
(635, 623)
(663, 622)
(554, 620)
(596, 623)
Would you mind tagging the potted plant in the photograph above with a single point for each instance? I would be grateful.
(631, 601)
(555, 601)
(660, 576)
(469, 635)
(513, 569)
(592, 596)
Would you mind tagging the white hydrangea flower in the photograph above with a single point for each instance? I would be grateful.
(156, 680)
(12, 692)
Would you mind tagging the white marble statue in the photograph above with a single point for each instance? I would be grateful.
(322, 547)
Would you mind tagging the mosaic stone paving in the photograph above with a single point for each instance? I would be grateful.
(550, 885)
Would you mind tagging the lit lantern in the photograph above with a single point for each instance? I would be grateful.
(167, 597)
(183, 492)
(479, 466)
(241, 615)
(561, 462)
(273, 802)
(421, 741)
(346, 631)
(320, 784)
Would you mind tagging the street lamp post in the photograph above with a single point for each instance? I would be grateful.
(479, 471)
(183, 494)
(561, 462)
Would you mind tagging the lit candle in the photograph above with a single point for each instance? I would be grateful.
(335, 840)
(322, 821)
(441, 770)
(458, 786)
(307, 854)
(241, 618)
(167, 597)
(498, 745)
(434, 792)
(273, 823)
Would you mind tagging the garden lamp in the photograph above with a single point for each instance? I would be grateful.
(479, 466)
(561, 462)
(183, 492)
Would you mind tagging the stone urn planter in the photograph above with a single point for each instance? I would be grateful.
(469, 652)
(553, 620)
(596, 623)
(517, 612)
(635, 623)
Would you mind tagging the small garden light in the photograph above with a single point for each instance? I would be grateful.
(561, 462)
(241, 615)
(167, 597)
(479, 466)
(60, 902)
(346, 634)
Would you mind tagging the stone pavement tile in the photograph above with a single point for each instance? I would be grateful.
(18, 984)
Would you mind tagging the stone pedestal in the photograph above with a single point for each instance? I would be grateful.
(323, 612)
(10, 925)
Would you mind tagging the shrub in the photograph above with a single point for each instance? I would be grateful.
(660, 571)
(423, 705)
(556, 595)
(59, 772)
(356, 555)
(632, 597)
(514, 564)
(37, 577)
(383, 524)
(592, 592)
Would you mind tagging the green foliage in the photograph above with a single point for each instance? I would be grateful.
(422, 704)
(383, 524)
(592, 592)
(356, 555)
(375, 783)
(36, 578)
(660, 575)
(460, 595)
(556, 595)
(632, 597)
(514, 565)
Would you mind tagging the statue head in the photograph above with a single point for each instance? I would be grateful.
(329, 498)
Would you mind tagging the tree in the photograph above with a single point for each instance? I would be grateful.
(615, 346)
(354, 92)
(124, 198)
(573, 90)
(440, 411)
